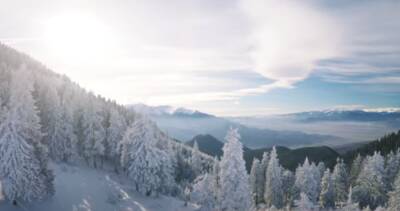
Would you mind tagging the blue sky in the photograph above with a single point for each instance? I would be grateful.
(242, 57)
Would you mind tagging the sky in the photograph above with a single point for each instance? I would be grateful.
(225, 57)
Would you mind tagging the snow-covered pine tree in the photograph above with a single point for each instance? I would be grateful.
(195, 160)
(169, 167)
(273, 195)
(350, 205)
(48, 104)
(203, 192)
(317, 177)
(254, 182)
(321, 167)
(23, 173)
(216, 180)
(54, 120)
(234, 181)
(69, 138)
(340, 181)
(148, 166)
(327, 196)
(94, 135)
(183, 172)
(306, 181)
(304, 203)
(394, 196)
(172, 151)
(355, 169)
(61, 137)
(115, 133)
(287, 186)
(263, 169)
(391, 168)
(370, 188)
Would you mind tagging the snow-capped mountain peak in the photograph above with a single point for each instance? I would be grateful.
(165, 110)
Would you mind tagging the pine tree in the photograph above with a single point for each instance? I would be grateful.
(370, 187)
(115, 132)
(216, 181)
(394, 196)
(349, 205)
(287, 186)
(255, 168)
(48, 104)
(321, 168)
(391, 169)
(195, 160)
(339, 178)
(263, 170)
(304, 203)
(356, 167)
(257, 181)
(235, 190)
(149, 167)
(23, 173)
(327, 196)
(94, 135)
(306, 181)
(273, 194)
(62, 139)
(202, 193)
(315, 171)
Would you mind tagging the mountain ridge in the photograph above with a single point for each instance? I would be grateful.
(289, 158)
(187, 126)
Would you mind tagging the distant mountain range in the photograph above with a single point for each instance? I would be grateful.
(354, 125)
(168, 111)
(184, 124)
(289, 158)
(387, 115)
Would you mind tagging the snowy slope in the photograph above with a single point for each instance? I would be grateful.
(84, 189)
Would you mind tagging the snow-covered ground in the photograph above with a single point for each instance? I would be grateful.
(84, 189)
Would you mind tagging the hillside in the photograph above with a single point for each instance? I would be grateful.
(50, 119)
(79, 188)
(345, 148)
(386, 144)
(289, 158)
(207, 144)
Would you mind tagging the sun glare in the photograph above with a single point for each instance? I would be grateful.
(78, 37)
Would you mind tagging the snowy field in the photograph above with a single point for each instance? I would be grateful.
(84, 189)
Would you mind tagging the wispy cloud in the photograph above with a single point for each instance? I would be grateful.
(371, 44)
(188, 99)
(289, 37)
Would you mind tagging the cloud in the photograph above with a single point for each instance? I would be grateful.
(188, 99)
(290, 37)
(371, 43)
